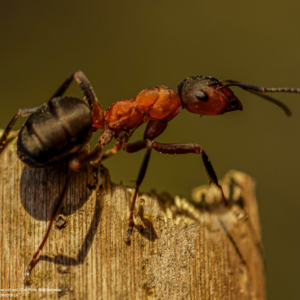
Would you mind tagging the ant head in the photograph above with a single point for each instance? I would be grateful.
(207, 96)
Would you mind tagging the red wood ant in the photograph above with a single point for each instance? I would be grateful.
(63, 125)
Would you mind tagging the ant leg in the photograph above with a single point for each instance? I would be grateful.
(24, 112)
(122, 138)
(84, 84)
(111, 152)
(138, 183)
(179, 149)
(53, 216)
(88, 96)
(153, 129)
(77, 164)
(192, 148)
(105, 137)
(74, 165)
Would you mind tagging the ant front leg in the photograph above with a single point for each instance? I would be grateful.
(180, 149)
(191, 148)
(166, 149)
(23, 112)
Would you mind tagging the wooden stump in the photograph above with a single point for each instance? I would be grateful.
(179, 249)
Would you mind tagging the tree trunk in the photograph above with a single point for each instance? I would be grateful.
(179, 249)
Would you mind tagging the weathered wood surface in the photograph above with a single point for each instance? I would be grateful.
(179, 250)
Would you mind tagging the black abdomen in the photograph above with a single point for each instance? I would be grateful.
(57, 129)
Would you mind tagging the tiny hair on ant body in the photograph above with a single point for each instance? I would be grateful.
(56, 130)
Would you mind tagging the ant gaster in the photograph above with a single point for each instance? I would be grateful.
(62, 126)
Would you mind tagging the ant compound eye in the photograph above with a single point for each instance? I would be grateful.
(201, 96)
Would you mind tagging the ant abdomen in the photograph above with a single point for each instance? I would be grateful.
(57, 129)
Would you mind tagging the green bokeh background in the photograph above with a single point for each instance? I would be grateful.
(126, 46)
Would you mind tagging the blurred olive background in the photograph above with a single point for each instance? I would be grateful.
(126, 46)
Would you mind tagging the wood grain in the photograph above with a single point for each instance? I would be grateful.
(179, 249)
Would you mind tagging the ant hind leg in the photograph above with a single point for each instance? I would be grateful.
(84, 84)
(74, 165)
(53, 216)
(23, 112)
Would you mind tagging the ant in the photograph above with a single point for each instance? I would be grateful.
(64, 125)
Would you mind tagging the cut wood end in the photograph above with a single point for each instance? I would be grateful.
(179, 249)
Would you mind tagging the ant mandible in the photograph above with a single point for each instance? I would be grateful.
(62, 126)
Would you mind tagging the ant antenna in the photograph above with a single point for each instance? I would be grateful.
(260, 90)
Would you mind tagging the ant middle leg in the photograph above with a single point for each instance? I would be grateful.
(111, 152)
(139, 181)
(23, 112)
(78, 163)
